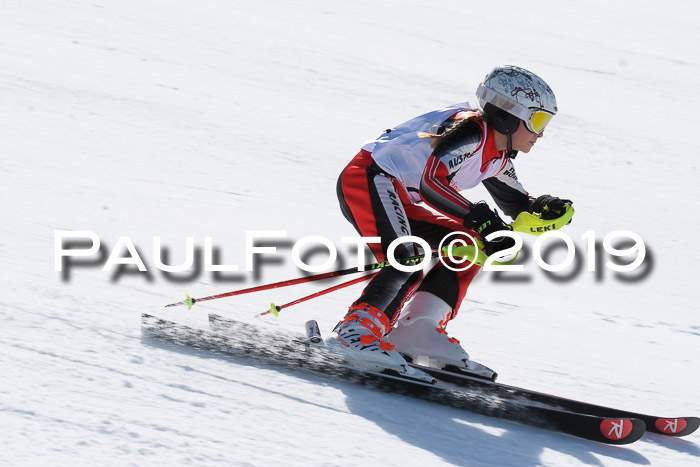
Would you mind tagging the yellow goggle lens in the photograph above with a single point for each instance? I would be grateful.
(539, 120)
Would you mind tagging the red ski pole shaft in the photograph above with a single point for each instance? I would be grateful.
(301, 280)
(275, 285)
(274, 309)
(525, 222)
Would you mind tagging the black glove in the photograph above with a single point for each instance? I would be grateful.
(484, 222)
(549, 207)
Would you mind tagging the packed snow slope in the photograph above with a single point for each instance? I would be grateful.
(210, 119)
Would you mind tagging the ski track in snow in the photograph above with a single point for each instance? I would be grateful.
(178, 119)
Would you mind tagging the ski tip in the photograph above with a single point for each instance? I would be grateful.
(622, 431)
(682, 426)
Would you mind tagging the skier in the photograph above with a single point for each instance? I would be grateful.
(430, 159)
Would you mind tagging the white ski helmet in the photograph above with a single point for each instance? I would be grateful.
(509, 94)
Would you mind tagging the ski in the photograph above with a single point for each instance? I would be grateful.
(670, 426)
(252, 343)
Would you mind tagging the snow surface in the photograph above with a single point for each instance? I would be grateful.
(180, 118)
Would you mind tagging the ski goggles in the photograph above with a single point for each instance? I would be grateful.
(538, 120)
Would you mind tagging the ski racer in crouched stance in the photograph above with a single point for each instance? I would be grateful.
(430, 159)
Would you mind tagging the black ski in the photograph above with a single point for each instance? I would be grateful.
(680, 426)
(252, 343)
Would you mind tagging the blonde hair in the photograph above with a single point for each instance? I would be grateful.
(451, 127)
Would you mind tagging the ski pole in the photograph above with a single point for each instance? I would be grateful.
(468, 251)
(188, 301)
(525, 222)
(274, 309)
